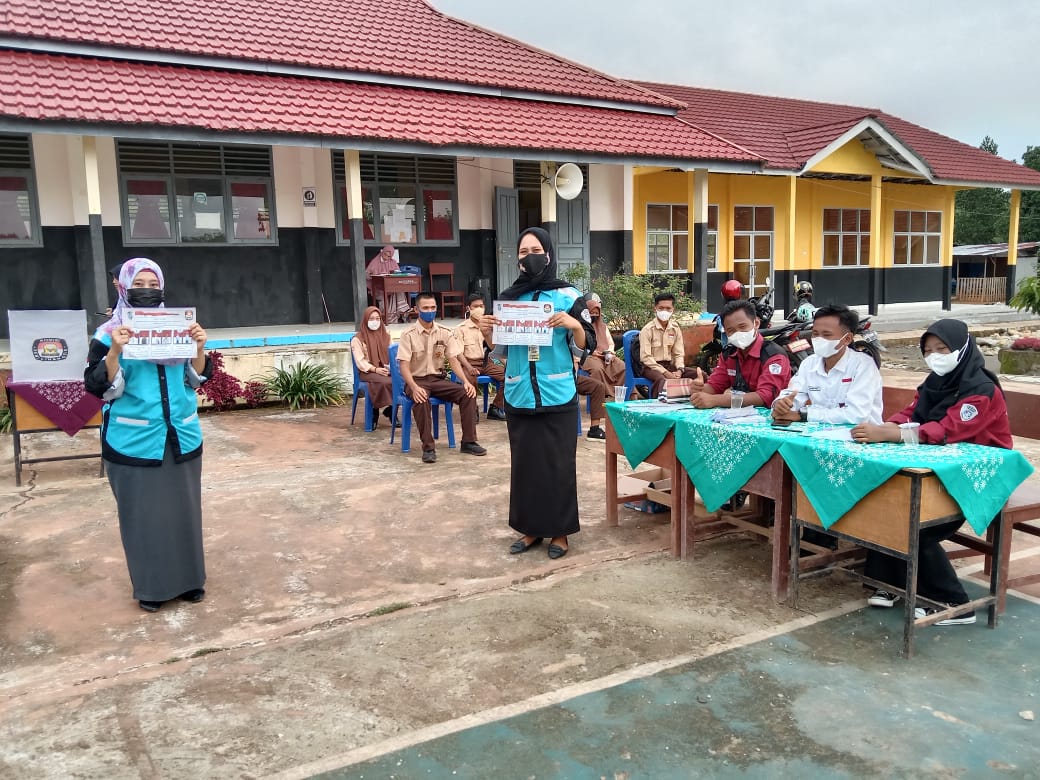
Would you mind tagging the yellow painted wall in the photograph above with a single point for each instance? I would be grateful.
(813, 196)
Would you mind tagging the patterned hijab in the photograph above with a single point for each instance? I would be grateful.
(377, 342)
(131, 268)
(971, 377)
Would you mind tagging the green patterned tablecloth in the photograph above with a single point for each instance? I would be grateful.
(835, 474)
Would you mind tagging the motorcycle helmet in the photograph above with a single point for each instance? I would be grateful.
(732, 290)
(803, 290)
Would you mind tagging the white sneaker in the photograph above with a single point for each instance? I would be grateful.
(959, 620)
(882, 598)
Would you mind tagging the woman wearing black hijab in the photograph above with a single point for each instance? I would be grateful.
(542, 403)
(959, 401)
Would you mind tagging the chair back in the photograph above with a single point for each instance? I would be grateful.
(442, 269)
(631, 378)
(396, 380)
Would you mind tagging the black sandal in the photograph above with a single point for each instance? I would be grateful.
(520, 546)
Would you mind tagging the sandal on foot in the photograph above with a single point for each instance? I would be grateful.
(520, 546)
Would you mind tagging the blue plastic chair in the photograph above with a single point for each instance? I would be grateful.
(631, 380)
(359, 388)
(484, 383)
(403, 406)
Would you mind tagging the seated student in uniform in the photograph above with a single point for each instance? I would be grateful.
(597, 393)
(758, 368)
(602, 364)
(420, 355)
(661, 348)
(959, 401)
(836, 384)
(474, 337)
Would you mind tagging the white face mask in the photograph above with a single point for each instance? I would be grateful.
(742, 339)
(826, 348)
(942, 363)
(664, 315)
(374, 324)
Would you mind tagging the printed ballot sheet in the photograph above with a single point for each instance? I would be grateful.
(160, 334)
(523, 322)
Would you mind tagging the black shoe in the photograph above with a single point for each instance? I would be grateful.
(520, 547)
(494, 413)
(429, 456)
(150, 606)
(195, 595)
(555, 551)
(386, 412)
(595, 432)
(736, 502)
(472, 448)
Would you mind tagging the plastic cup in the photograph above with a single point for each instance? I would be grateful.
(909, 433)
(619, 394)
(736, 399)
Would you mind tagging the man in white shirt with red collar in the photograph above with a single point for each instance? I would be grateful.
(835, 384)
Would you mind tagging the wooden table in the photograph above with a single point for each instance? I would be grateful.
(26, 419)
(772, 480)
(385, 286)
(889, 519)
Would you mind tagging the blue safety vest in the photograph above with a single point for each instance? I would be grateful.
(548, 382)
(157, 404)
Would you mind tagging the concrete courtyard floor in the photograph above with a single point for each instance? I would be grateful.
(361, 602)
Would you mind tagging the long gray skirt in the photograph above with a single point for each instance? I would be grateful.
(160, 522)
(543, 482)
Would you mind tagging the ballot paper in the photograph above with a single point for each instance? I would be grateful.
(745, 414)
(160, 334)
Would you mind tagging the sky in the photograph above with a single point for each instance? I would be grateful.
(964, 68)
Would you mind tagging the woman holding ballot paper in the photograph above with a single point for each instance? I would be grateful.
(151, 440)
(542, 403)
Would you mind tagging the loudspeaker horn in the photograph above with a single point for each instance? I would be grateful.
(568, 181)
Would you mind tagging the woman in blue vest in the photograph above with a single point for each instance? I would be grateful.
(151, 442)
(542, 403)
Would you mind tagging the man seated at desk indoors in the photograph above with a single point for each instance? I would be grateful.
(959, 401)
(661, 348)
(758, 368)
(836, 384)
(420, 356)
(474, 337)
(381, 265)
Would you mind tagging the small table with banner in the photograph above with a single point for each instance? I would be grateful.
(881, 495)
(385, 286)
(44, 407)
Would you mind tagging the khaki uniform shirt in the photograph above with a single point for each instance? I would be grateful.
(661, 343)
(425, 350)
(471, 340)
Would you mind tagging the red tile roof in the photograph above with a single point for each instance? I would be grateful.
(48, 88)
(788, 132)
(404, 38)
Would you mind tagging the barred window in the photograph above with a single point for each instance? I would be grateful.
(182, 193)
(406, 199)
(19, 211)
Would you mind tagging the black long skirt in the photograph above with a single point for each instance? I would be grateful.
(543, 483)
(160, 522)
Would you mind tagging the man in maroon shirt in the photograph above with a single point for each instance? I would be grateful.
(758, 368)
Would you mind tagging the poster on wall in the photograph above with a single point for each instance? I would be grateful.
(48, 345)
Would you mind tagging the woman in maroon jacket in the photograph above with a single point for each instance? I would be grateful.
(959, 401)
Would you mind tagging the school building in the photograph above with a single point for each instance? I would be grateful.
(262, 155)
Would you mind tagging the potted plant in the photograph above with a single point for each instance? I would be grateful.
(1022, 358)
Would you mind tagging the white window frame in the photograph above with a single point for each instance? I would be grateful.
(35, 237)
(912, 234)
(861, 261)
(671, 233)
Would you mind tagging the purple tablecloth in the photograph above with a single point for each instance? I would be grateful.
(66, 404)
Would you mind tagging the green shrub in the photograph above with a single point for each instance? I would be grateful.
(628, 299)
(1028, 295)
(305, 384)
(5, 419)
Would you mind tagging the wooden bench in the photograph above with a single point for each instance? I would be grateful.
(1021, 509)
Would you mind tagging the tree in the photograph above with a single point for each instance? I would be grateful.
(1029, 217)
(981, 215)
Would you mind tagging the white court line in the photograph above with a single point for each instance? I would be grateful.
(367, 752)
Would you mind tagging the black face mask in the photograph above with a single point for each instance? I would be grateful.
(534, 265)
(144, 297)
